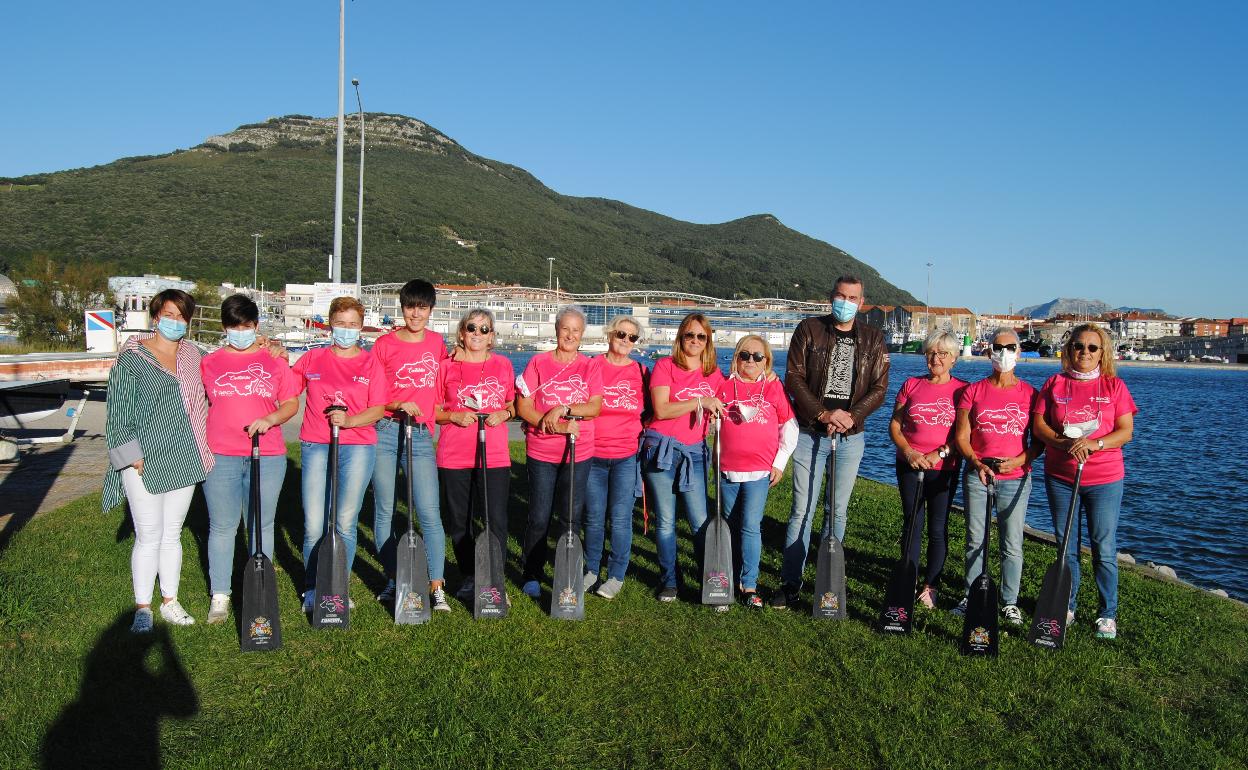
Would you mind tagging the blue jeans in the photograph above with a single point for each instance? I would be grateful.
(610, 494)
(661, 486)
(1101, 502)
(424, 494)
(744, 502)
(810, 461)
(355, 467)
(228, 493)
(1012, 497)
(548, 491)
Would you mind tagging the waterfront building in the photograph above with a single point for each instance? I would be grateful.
(1203, 327)
(133, 293)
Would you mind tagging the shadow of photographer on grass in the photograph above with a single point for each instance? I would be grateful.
(129, 683)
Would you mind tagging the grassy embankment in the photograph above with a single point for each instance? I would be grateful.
(636, 684)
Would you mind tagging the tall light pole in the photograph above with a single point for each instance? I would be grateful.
(550, 272)
(255, 269)
(359, 218)
(336, 268)
(929, 297)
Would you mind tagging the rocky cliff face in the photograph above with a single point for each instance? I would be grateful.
(305, 131)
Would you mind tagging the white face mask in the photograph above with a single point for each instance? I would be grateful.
(1004, 360)
(748, 411)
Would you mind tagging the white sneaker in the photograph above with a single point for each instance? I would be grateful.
(610, 589)
(219, 609)
(590, 580)
(439, 601)
(142, 621)
(173, 613)
(1012, 614)
(1070, 618)
(1106, 628)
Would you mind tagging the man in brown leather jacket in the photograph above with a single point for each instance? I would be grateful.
(837, 376)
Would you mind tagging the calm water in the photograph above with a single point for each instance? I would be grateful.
(1186, 497)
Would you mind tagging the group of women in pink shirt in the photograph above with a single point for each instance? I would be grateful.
(993, 430)
(639, 434)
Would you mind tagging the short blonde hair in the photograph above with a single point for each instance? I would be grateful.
(476, 312)
(768, 359)
(942, 339)
(615, 322)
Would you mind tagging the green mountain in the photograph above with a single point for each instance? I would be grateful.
(432, 209)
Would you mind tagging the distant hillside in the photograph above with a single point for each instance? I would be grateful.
(1065, 305)
(432, 209)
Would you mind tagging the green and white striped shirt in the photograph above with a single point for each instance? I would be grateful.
(156, 417)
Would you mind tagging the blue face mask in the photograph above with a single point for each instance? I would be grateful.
(171, 329)
(345, 338)
(240, 339)
(843, 310)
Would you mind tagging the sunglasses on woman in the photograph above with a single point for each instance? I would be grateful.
(1079, 347)
(745, 355)
(1010, 346)
(699, 336)
(627, 336)
(472, 328)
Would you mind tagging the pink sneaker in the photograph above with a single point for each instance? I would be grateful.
(927, 597)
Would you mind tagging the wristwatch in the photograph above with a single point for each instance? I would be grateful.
(1100, 444)
(943, 453)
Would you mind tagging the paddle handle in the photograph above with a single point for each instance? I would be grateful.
(332, 518)
(481, 466)
(571, 474)
(719, 467)
(253, 503)
(830, 507)
(907, 538)
(406, 422)
(1070, 516)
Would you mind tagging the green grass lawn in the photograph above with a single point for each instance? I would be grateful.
(636, 684)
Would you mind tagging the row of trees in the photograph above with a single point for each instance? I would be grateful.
(52, 299)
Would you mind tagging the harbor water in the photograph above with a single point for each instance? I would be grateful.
(1185, 502)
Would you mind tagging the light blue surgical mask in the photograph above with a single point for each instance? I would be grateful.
(171, 329)
(843, 310)
(345, 338)
(240, 339)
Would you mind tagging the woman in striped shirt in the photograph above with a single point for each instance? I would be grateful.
(157, 450)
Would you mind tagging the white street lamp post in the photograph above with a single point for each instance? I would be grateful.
(929, 297)
(255, 269)
(550, 272)
(359, 218)
(336, 269)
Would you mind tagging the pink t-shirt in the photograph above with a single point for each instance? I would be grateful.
(618, 425)
(550, 384)
(412, 369)
(683, 385)
(242, 388)
(356, 383)
(999, 418)
(751, 444)
(927, 422)
(486, 386)
(1063, 401)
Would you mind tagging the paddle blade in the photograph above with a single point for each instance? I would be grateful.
(897, 617)
(567, 590)
(717, 566)
(980, 631)
(411, 581)
(830, 600)
(332, 608)
(491, 597)
(261, 624)
(1048, 627)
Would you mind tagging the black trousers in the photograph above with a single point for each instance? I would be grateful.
(937, 495)
(462, 507)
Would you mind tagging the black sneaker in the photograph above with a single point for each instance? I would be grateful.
(783, 597)
(668, 594)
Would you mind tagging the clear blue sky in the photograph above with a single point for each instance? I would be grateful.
(1028, 150)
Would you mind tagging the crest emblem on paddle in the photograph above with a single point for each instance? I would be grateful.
(567, 598)
(260, 628)
(828, 602)
(979, 636)
(412, 602)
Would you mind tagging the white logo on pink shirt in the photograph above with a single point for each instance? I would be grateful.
(570, 391)
(1008, 420)
(334, 399)
(749, 409)
(254, 380)
(621, 396)
(359, 378)
(702, 390)
(417, 374)
(1083, 414)
(940, 412)
(487, 394)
